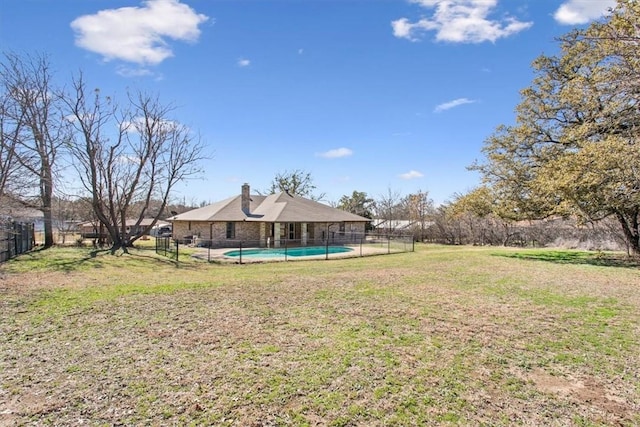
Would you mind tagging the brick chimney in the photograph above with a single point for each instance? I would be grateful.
(246, 199)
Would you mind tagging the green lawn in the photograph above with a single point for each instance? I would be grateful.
(440, 336)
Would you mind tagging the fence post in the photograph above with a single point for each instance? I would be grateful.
(326, 251)
(24, 238)
(32, 227)
(14, 234)
(240, 251)
(176, 248)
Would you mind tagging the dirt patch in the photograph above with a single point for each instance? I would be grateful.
(587, 391)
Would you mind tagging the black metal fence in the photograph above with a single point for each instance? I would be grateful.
(242, 251)
(167, 247)
(15, 238)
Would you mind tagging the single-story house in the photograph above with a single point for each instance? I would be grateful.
(267, 221)
(91, 229)
(13, 212)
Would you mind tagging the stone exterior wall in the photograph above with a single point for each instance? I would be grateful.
(187, 229)
(217, 231)
(248, 230)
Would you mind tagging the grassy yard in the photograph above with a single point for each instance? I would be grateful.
(441, 336)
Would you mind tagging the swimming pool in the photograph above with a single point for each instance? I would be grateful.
(290, 252)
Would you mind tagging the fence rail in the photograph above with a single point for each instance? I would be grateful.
(243, 251)
(15, 238)
(167, 247)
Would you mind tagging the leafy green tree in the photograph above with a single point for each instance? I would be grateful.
(296, 182)
(575, 147)
(358, 203)
(479, 201)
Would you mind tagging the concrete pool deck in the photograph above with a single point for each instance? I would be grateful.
(217, 255)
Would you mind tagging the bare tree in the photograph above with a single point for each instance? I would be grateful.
(125, 172)
(12, 176)
(33, 131)
(419, 208)
(387, 208)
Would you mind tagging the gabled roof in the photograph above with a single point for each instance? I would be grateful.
(280, 207)
(225, 210)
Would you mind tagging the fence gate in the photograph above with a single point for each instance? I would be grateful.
(15, 238)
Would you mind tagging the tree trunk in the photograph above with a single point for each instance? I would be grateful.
(48, 227)
(46, 196)
(118, 244)
(631, 229)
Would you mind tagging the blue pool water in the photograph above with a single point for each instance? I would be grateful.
(292, 252)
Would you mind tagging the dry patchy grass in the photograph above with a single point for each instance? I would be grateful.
(442, 336)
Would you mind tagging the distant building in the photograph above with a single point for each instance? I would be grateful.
(92, 229)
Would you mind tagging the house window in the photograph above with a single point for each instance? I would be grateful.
(231, 230)
(292, 231)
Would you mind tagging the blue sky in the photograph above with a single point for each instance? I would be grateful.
(365, 95)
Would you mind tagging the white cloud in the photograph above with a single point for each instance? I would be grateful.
(138, 34)
(459, 21)
(300, 51)
(134, 72)
(336, 153)
(402, 28)
(452, 104)
(411, 175)
(243, 62)
(573, 12)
